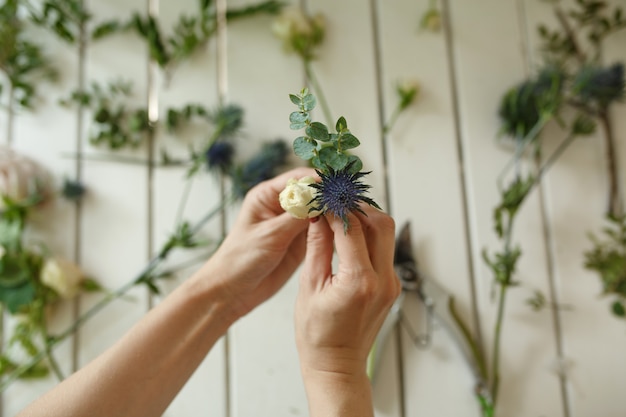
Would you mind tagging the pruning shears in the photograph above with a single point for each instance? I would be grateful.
(440, 308)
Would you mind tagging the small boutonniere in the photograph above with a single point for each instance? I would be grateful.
(341, 189)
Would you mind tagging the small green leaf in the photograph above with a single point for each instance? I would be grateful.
(341, 125)
(308, 102)
(333, 159)
(295, 99)
(618, 309)
(298, 120)
(348, 141)
(356, 165)
(318, 131)
(298, 117)
(16, 297)
(304, 148)
(90, 285)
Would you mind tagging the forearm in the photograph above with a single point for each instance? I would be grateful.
(338, 395)
(144, 371)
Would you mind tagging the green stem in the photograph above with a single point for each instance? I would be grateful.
(614, 208)
(183, 201)
(48, 349)
(495, 367)
(519, 150)
(318, 91)
(392, 119)
(495, 377)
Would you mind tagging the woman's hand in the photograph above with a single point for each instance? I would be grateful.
(262, 250)
(338, 315)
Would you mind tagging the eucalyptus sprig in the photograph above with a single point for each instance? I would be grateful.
(341, 189)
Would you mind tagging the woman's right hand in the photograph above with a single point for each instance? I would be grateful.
(339, 315)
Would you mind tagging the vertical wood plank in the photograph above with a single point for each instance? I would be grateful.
(265, 377)
(487, 47)
(114, 231)
(426, 192)
(192, 82)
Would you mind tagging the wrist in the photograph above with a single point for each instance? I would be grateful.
(333, 393)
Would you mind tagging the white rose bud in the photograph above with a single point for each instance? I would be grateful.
(296, 196)
(63, 276)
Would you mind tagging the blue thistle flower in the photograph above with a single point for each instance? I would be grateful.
(228, 120)
(219, 156)
(340, 192)
(73, 190)
(602, 85)
(261, 167)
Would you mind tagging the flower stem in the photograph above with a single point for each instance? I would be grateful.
(318, 91)
(495, 377)
(48, 349)
(392, 119)
(614, 208)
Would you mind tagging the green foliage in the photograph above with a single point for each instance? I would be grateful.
(115, 124)
(526, 105)
(21, 60)
(63, 17)
(589, 21)
(607, 258)
(321, 147)
(299, 32)
(503, 265)
(191, 32)
(512, 199)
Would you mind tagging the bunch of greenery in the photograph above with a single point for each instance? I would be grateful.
(32, 281)
(571, 79)
(21, 60)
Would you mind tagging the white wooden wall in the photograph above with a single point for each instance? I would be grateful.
(442, 163)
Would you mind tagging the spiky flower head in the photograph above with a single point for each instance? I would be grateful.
(261, 167)
(340, 192)
(219, 156)
(601, 85)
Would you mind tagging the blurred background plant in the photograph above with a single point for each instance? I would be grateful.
(575, 90)
(32, 279)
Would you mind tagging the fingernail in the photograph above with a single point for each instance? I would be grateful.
(314, 219)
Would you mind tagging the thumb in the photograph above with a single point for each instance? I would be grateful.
(319, 252)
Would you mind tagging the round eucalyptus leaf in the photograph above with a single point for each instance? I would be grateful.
(333, 159)
(348, 141)
(304, 148)
(318, 131)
